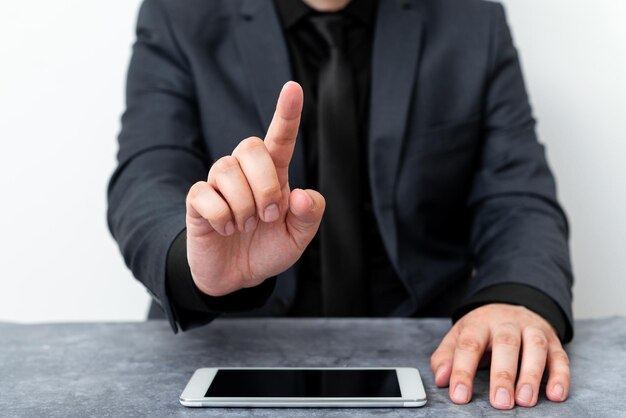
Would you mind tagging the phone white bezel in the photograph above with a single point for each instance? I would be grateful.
(411, 390)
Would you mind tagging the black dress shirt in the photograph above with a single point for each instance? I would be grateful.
(386, 289)
(308, 53)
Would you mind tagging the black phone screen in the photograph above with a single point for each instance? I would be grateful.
(305, 383)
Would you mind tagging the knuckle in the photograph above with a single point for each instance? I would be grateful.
(504, 375)
(461, 375)
(560, 376)
(270, 192)
(533, 375)
(560, 356)
(245, 210)
(224, 164)
(470, 344)
(511, 327)
(537, 341)
(248, 145)
(506, 338)
(220, 214)
(194, 190)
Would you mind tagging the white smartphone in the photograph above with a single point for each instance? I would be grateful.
(304, 387)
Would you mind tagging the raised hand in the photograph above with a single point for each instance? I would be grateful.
(244, 224)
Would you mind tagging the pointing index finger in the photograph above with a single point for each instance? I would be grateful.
(281, 134)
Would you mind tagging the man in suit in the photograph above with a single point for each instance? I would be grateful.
(411, 134)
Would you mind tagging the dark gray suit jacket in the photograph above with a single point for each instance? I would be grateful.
(461, 188)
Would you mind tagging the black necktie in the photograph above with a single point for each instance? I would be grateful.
(344, 289)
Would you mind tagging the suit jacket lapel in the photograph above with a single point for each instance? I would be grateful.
(397, 44)
(264, 53)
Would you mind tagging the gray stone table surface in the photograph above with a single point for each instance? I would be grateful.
(140, 369)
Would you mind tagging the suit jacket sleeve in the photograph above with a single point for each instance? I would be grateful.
(161, 155)
(519, 231)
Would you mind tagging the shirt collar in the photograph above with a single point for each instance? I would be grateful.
(292, 11)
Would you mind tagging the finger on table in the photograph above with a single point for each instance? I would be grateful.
(558, 385)
(470, 347)
(506, 344)
(442, 357)
(534, 355)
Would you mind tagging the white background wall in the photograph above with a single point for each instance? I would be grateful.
(62, 69)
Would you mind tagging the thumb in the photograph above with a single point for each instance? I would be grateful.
(306, 208)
